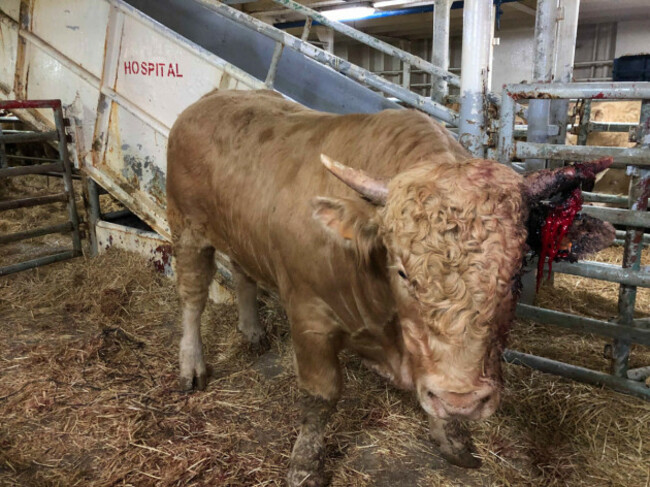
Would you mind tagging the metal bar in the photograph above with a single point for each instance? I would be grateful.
(36, 169)
(618, 90)
(607, 78)
(619, 216)
(29, 158)
(539, 110)
(594, 51)
(30, 264)
(406, 76)
(306, 29)
(28, 137)
(273, 68)
(639, 193)
(37, 232)
(384, 47)
(506, 141)
(342, 66)
(604, 198)
(475, 66)
(620, 238)
(116, 215)
(611, 126)
(28, 104)
(9, 120)
(576, 373)
(67, 179)
(582, 324)
(622, 155)
(440, 48)
(33, 201)
(605, 272)
(587, 64)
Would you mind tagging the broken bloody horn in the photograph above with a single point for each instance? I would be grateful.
(372, 189)
(547, 182)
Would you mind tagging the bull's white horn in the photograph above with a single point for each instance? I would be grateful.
(375, 190)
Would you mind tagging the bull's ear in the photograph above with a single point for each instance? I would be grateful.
(349, 221)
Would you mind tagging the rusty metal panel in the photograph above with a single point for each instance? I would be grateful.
(149, 244)
(52, 78)
(8, 53)
(122, 78)
(135, 160)
(162, 76)
(75, 29)
(11, 8)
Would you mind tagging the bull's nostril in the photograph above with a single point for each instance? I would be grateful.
(486, 399)
(430, 395)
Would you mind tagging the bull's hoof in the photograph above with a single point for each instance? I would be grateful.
(463, 459)
(195, 382)
(303, 478)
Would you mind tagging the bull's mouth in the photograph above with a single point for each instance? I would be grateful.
(557, 231)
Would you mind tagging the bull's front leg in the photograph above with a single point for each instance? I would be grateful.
(454, 442)
(320, 379)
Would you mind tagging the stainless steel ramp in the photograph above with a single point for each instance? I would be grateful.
(298, 77)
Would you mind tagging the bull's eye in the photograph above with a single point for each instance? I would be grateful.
(402, 274)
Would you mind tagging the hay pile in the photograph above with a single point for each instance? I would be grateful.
(88, 397)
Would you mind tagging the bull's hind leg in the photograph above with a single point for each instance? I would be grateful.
(249, 323)
(195, 269)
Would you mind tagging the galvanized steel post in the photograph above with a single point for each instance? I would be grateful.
(539, 110)
(639, 193)
(475, 69)
(565, 57)
(440, 48)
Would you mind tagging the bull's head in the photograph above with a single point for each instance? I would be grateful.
(455, 236)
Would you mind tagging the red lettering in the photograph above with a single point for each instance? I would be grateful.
(146, 68)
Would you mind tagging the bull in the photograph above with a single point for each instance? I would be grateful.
(378, 232)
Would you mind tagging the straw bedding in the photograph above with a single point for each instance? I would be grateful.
(88, 396)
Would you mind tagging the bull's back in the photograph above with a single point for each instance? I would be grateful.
(234, 172)
(244, 166)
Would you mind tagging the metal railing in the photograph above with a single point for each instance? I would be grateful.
(361, 75)
(41, 166)
(630, 275)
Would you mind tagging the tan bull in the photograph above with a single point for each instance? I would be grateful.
(410, 256)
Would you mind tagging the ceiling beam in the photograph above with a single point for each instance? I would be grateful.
(521, 7)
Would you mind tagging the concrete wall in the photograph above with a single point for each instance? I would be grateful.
(513, 58)
(633, 37)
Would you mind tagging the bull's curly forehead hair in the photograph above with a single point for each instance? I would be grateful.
(458, 229)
